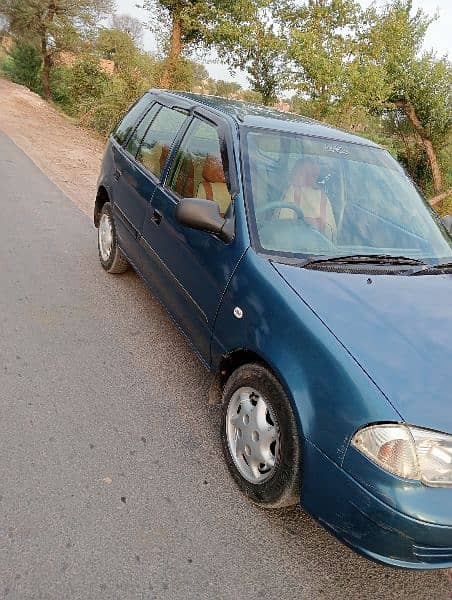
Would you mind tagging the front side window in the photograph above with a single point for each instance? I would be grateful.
(312, 196)
(122, 131)
(199, 171)
(156, 144)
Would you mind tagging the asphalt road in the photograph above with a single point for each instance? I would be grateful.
(112, 483)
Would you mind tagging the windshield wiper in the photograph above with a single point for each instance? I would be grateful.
(375, 259)
(446, 266)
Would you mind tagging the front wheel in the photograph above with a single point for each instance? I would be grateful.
(260, 437)
(110, 255)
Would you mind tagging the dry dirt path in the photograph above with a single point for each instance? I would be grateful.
(68, 154)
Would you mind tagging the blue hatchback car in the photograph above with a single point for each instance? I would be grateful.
(315, 282)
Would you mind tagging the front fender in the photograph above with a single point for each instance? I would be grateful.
(331, 394)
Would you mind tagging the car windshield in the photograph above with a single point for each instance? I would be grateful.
(318, 197)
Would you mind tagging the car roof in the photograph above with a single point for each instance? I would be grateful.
(257, 115)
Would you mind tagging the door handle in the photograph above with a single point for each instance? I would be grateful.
(156, 217)
(117, 174)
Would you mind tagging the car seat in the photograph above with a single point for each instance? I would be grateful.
(213, 185)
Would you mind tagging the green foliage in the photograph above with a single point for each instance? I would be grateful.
(23, 66)
(60, 84)
(88, 81)
(117, 46)
(227, 89)
(322, 41)
(249, 35)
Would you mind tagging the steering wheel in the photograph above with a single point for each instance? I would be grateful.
(300, 216)
(275, 205)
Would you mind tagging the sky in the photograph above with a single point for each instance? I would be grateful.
(438, 38)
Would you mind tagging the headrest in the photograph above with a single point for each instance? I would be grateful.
(304, 165)
(213, 170)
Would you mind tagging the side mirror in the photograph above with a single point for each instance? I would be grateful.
(447, 222)
(204, 215)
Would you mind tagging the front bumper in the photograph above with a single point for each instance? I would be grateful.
(366, 523)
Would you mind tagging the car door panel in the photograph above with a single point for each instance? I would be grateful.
(132, 190)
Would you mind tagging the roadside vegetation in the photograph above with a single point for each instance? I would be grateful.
(360, 69)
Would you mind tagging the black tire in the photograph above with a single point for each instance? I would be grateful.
(283, 487)
(116, 262)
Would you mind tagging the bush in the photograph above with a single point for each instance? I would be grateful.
(23, 65)
(122, 91)
(60, 84)
(87, 81)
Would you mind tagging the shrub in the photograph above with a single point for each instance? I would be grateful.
(23, 65)
(60, 84)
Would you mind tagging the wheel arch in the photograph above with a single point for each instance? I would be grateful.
(101, 198)
(231, 361)
(237, 358)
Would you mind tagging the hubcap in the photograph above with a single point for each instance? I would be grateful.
(252, 435)
(105, 237)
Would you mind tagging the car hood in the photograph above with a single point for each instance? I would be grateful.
(398, 328)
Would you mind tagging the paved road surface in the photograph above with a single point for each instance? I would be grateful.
(112, 483)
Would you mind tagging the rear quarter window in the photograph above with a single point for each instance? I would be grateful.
(122, 131)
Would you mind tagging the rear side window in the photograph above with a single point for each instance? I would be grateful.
(135, 139)
(122, 131)
(158, 139)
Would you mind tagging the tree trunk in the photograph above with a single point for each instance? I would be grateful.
(174, 52)
(45, 73)
(410, 112)
(440, 197)
(47, 61)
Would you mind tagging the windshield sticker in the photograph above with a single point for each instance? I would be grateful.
(336, 148)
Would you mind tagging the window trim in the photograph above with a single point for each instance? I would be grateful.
(129, 154)
(151, 101)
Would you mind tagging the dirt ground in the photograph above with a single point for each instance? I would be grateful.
(68, 154)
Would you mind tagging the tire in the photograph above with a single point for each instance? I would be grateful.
(110, 256)
(273, 438)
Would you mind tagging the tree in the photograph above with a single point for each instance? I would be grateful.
(418, 86)
(187, 25)
(184, 23)
(322, 46)
(116, 45)
(227, 89)
(51, 26)
(130, 25)
(249, 36)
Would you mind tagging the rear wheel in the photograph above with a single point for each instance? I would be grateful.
(110, 256)
(260, 437)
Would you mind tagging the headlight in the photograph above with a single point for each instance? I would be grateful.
(408, 452)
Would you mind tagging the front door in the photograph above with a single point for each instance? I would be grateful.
(190, 269)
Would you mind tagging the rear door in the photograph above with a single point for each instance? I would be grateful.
(129, 206)
(139, 164)
(190, 268)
